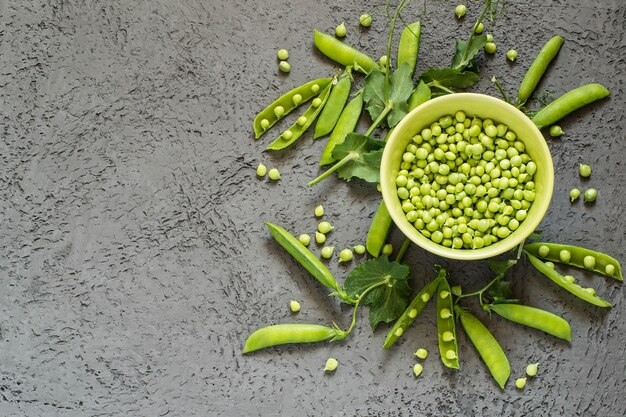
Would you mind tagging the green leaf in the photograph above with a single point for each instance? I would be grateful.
(374, 93)
(400, 89)
(388, 301)
(449, 78)
(500, 267)
(363, 156)
(501, 292)
(476, 44)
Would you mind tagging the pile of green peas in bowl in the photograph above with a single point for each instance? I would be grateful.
(467, 176)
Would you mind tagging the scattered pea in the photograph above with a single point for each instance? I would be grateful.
(520, 383)
(490, 47)
(589, 261)
(284, 66)
(304, 239)
(479, 28)
(556, 131)
(387, 249)
(417, 369)
(319, 211)
(331, 364)
(327, 252)
(574, 194)
(531, 370)
(511, 55)
(359, 249)
(340, 30)
(261, 170)
(294, 306)
(365, 20)
(324, 227)
(460, 10)
(274, 174)
(320, 237)
(282, 54)
(345, 255)
(383, 60)
(489, 37)
(584, 170)
(590, 195)
(421, 353)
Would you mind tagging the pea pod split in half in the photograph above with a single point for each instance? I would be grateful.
(413, 310)
(334, 105)
(296, 130)
(487, 346)
(535, 318)
(287, 103)
(446, 327)
(281, 334)
(576, 256)
(342, 53)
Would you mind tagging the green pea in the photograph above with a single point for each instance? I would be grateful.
(460, 11)
(387, 249)
(264, 123)
(574, 194)
(279, 111)
(359, 249)
(340, 30)
(316, 102)
(425, 297)
(327, 252)
(490, 47)
(331, 365)
(447, 336)
(261, 170)
(451, 355)
(417, 369)
(421, 353)
(304, 239)
(324, 227)
(284, 66)
(315, 88)
(609, 270)
(282, 54)
(511, 55)
(365, 20)
(489, 37)
(569, 278)
(565, 255)
(274, 174)
(584, 170)
(345, 255)
(479, 28)
(294, 306)
(320, 237)
(383, 60)
(590, 291)
(589, 261)
(445, 313)
(556, 131)
(531, 370)
(520, 383)
(590, 195)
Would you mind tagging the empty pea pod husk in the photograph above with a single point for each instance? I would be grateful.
(577, 256)
(568, 102)
(446, 325)
(573, 288)
(281, 142)
(334, 105)
(281, 334)
(342, 53)
(416, 306)
(535, 318)
(487, 346)
(287, 103)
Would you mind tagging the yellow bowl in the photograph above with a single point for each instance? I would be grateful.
(484, 107)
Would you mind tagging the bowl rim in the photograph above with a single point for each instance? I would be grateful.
(501, 246)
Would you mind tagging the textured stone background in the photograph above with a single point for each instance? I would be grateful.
(133, 256)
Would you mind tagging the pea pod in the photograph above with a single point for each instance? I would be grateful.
(346, 124)
(307, 259)
(288, 102)
(448, 349)
(535, 318)
(281, 334)
(298, 129)
(378, 231)
(569, 102)
(602, 264)
(334, 105)
(538, 68)
(342, 53)
(413, 310)
(487, 346)
(558, 279)
(409, 45)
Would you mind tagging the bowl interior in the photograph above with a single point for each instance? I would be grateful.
(481, 106)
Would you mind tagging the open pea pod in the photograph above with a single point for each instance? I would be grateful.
(296, 130)
(487, 346)
(446, 327)
(576, 256)
(287, 103)
(413, 310)
(558, 279)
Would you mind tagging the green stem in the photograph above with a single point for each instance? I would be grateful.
(361, 296)
(497, 83)
(403, 249)
(334, 168)
(473, 34)
(378, 120)
(482, 290)
(439, 86)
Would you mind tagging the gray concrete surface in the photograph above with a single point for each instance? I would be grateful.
(133, 256)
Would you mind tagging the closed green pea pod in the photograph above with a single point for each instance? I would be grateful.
(448, 349)
(538, 68)
(409, 45)
(281, 334)
(535, 318)
(487, 346)
(297, 129)
(564, 283)
(346, 124)
(378, 231)
(569, 102)
(303, 93)
(551, 251)
(333, 107)
(413, 310)
(342, 53)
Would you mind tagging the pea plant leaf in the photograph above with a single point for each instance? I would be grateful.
(446, 78)
(390, 102)
(500, 292)
(374, 93)
(358, 156)
(500, 267)
(390, 295)
(465, 54)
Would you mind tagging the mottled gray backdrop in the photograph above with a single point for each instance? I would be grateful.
(133, 256)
